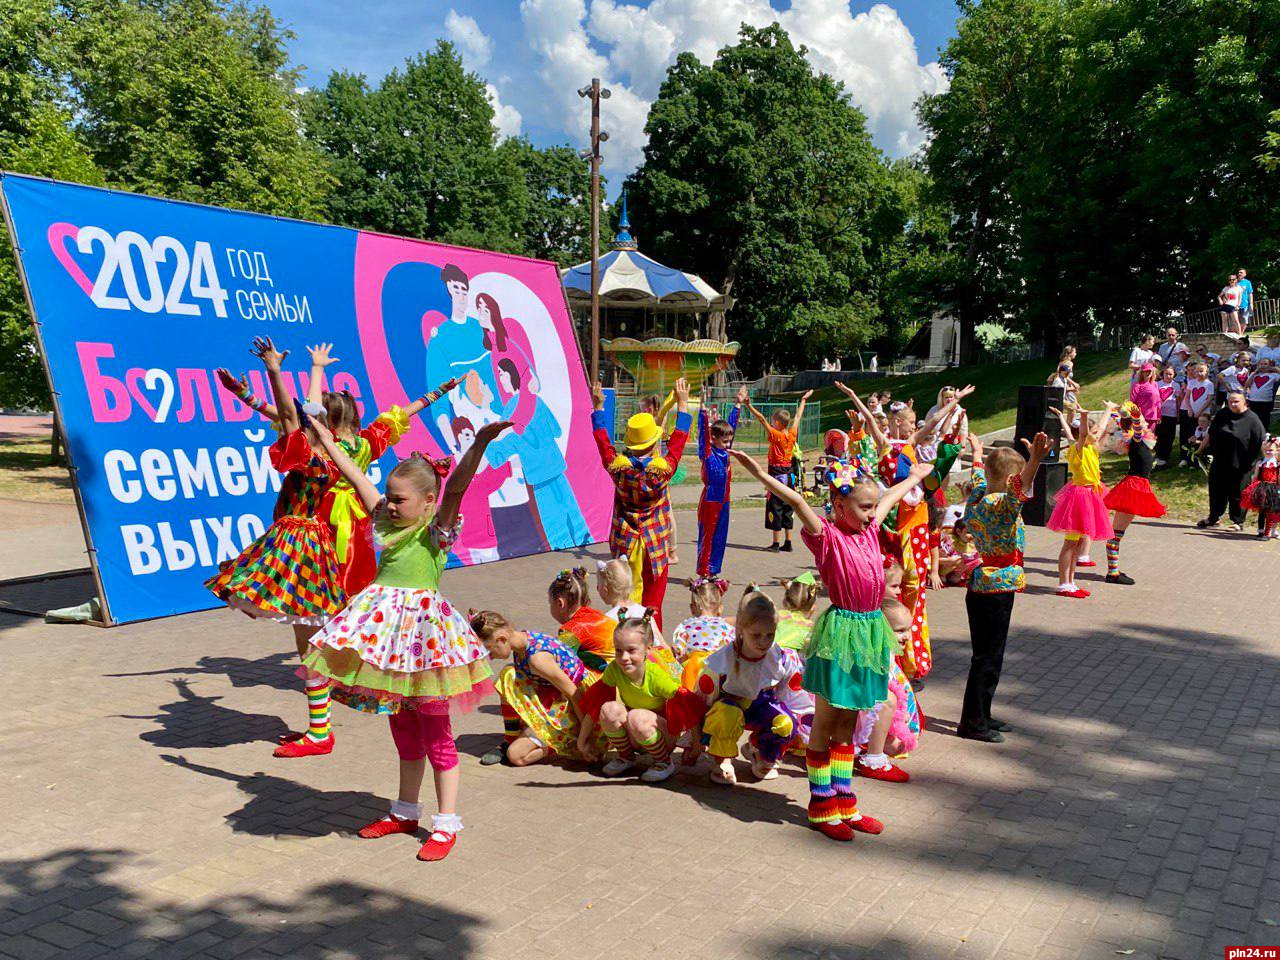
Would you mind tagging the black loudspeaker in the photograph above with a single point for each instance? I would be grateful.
(1034, 417)
(1050, 478)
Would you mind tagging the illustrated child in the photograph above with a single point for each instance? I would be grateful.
(482, 543)
(642, 528)
(891, 727)
(583, 629)
(848, 655)
(630, 704)
(782, 434)
(1080, 511)
(1132, 496)
(704, 632)
(993, 516)
(349, 523)
(741, 685)
(539, 691)
(291, 573)
(400, 647)
(714, 440)
(1263, 494)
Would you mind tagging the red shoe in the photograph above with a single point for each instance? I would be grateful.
(1076, 594)
(437, 846)
(890, 774)
(385, 828)
(1086, 563)
(865, 824)
(306, 747)
(835, 829)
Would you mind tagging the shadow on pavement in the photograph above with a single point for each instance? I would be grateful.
(196, 721)
(275, 670)
(74, 901)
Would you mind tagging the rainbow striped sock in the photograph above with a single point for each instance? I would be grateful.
(318, 710)
(511, 723)
(842, 780)
(658, 748)
(1113, 554)
(823, 805)
(619, 740)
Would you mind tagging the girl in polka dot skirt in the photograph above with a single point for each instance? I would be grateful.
(400, 648)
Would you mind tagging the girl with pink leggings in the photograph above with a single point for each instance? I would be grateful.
(399, 647)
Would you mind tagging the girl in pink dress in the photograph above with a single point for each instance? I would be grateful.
(850, 652)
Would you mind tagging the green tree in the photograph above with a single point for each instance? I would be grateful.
(760, 175)
(418, 155)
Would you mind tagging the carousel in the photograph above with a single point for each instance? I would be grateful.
(653, 319)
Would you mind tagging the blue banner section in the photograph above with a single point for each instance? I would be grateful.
(140, 301)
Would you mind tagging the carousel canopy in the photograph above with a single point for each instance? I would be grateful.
(629, 278)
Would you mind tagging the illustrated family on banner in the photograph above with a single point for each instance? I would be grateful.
(521, 500)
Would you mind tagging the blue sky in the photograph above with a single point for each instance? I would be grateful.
(535, 52)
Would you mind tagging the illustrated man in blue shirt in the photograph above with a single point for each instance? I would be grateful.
(456, 349)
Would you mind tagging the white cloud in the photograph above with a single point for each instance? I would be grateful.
(465, 34)
(630, 47)
(506, 118)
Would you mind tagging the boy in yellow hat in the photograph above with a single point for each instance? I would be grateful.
(642, 530)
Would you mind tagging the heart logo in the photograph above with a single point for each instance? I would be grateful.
(1260, 381)
(150, 381)
(58, 234)
(1197, 393)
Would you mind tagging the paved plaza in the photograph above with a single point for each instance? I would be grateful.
(1133, 813)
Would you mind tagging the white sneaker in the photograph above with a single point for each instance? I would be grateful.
(1161, 463)
(617, 767)
(658, 772)
(764, 771)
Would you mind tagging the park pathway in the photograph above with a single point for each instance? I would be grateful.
(1134, 812)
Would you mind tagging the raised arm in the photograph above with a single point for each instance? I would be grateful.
(926, 429)
(1039, 449)
(599, 428)
(890, 498)
(427, 399)
(1104, 421)
(804, 398)
(271, 358)
(460, 478)
(868, 419)
(350, 470)
(319, 360)
(751, 409)
(240, 388)
(1066, 425)
(810, 520)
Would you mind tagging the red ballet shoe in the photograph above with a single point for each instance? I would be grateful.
(1076, 594)
(387, 827)
(890, 774)
(437, 846)
(865, 824)
(835, 829)
(306, 747)
(1086, 563)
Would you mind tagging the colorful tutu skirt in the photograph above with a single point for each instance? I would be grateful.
(1261, 496)
(289, 574)
(545, 712)
(396, 648)
(1080, 510)
(1134, 495)
(848, 657)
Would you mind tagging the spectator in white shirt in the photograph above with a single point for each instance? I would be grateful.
(1140, 355)
(1229, 305)
(1197, 399)
(1271, 351)
(1261, 391)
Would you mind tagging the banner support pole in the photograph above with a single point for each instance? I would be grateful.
(58, 421)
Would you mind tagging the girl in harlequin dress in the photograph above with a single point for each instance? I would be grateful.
(1263, 494)
(1132, 496)
(290, 574)
(400, 648)
(1080, 512)
(848, 656)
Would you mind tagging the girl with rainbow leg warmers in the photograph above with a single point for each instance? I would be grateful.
(400, 648)
(848, 655)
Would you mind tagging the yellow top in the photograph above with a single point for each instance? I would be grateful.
(1086, 471)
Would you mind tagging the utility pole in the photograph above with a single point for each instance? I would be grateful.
(598, 136)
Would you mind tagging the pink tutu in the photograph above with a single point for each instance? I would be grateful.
(1080, 510)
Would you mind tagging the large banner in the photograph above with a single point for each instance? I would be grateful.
(139, 300)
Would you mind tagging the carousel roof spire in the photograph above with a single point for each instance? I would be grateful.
(624, 240)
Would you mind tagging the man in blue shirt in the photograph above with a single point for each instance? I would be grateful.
(1246, 299)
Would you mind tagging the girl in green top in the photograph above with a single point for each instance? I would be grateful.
(630, 703)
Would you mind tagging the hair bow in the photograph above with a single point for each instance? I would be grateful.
(307, 410)
(717, 582)
(441, 466)
(845, 476)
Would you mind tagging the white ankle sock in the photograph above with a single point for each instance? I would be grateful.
(403, 810)
(446, 822)
(876, 761)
